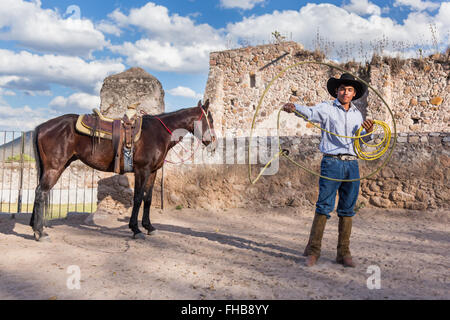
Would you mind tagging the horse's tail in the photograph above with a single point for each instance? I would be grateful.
(37, 156)
(39, 169)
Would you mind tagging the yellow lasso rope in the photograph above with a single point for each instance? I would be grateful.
(382, 146)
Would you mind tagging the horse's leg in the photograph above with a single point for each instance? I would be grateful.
(42, 198)
(147, 203)
(36, 221)
(46, 183)
(140, 179)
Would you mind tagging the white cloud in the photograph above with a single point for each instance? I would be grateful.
(362, 7)
(5, 79)
(341, 27)
(167, 56)
(22, 118)
(181, 91)
(45, 30)
(76, 101)
(442, 17)
(418, 5)
(35, 93)
(172, 42)
(241, 4)
(109, 28)
(156, 21)
(4, 92)
(33, 72)
(303, 24)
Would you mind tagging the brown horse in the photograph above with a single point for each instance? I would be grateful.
(57, 144)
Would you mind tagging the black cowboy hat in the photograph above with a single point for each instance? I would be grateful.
(346, 79)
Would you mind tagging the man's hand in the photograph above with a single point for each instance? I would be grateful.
(289, 107)
(368, 125)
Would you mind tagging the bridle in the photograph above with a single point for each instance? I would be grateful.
(206, 114)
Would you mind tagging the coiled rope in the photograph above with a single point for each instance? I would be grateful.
(380, 150)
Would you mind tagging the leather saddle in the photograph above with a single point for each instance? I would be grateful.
(122, 132)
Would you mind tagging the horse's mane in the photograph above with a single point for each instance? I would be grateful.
(165, 114)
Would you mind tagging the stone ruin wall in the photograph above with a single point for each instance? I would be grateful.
(134, 85)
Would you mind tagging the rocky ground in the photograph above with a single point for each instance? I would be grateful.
(226, 254)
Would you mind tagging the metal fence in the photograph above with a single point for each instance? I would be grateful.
(75, 191)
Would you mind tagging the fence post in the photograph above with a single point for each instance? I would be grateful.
(162, 187)
(22, 151)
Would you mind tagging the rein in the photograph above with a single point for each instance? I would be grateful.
(163, 124)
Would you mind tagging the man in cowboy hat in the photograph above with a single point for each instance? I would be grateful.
(339, 162)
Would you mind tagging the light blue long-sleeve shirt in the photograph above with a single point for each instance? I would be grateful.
(332, 116)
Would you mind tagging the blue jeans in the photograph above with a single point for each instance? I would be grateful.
(348, 191)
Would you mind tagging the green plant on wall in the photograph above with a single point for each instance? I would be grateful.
(278, 37)
(16, 158)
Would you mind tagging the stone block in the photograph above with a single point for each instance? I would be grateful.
(436, 101)
(400, 196)
(415, 127)
(415, 205)
(434, 140)
(390, 185)
(444, 160)
(387, 173)
(422, 196)
(374, 187)
(413, 102)
(380, 202)
(293, 99)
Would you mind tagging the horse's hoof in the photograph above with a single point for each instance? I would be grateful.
(139, 235)
(41, 237)
(152, 232)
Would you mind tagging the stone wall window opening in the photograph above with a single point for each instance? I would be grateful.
(233, 102)
(415, 120)
(252, 80)
(294, 93)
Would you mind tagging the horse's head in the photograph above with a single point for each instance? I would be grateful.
(204, 127)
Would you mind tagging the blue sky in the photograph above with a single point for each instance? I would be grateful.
(54, 54)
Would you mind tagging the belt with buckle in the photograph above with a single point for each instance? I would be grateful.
(342, 156)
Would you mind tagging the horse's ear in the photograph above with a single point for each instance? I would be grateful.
(199, 104)
(206, 105)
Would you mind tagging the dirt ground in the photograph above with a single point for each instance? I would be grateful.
(226, 254)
